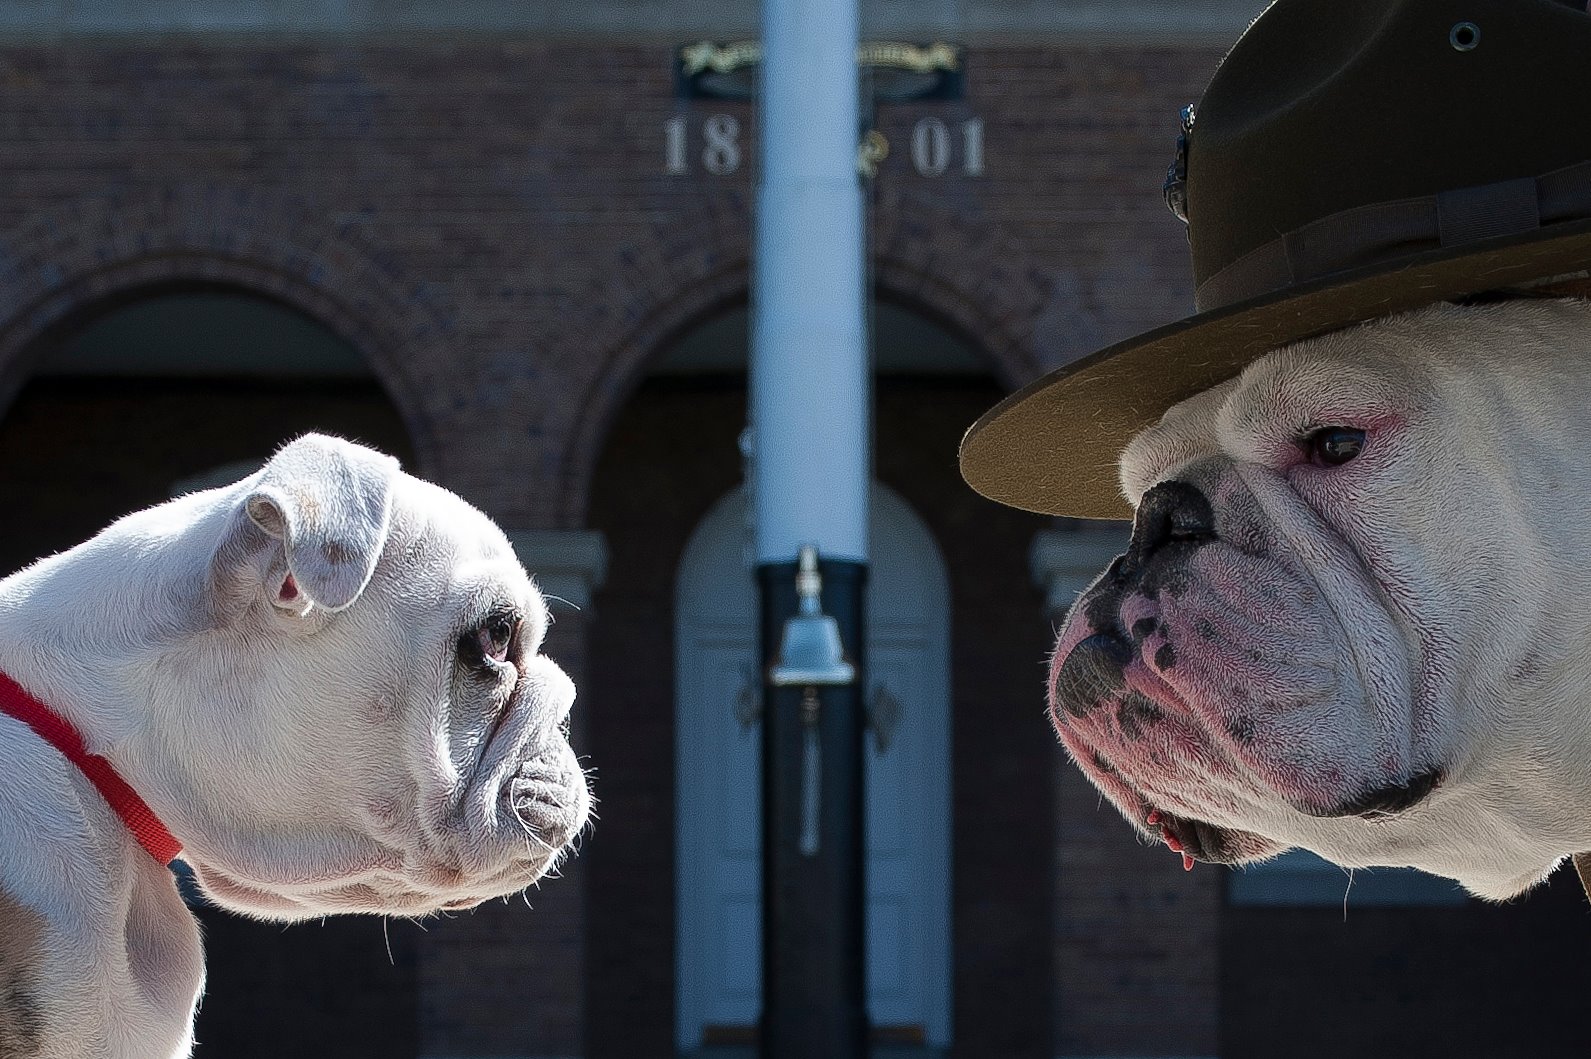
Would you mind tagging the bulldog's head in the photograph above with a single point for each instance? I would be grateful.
(1355, 613)
(348, 710)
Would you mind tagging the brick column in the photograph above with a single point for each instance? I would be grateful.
(506, 980)
(1137, 939)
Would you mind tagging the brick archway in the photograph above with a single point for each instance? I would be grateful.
(68, 263)
(666, 453)
(925, 255)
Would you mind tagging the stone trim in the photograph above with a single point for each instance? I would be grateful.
(1064, 562)
(568, 565)
(974, 21)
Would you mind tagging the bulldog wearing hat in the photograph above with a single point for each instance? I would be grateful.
(321, 685)
(1355, 612)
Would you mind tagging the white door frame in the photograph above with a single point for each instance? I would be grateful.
(716, 630)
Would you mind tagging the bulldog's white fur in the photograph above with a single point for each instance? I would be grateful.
(295, 672)
(1421, 610)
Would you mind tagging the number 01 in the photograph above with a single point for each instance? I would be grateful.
(931, 147)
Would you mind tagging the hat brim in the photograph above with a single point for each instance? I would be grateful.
(1052, 446)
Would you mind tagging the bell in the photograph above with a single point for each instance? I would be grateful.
(810, 654)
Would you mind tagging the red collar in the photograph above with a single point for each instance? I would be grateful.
(60, 733)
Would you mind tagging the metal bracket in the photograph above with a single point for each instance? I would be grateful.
(747, 706)
(883, 717)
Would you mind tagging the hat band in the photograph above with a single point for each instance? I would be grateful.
(1387, 231)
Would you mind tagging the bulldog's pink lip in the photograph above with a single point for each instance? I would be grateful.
(1195, 840)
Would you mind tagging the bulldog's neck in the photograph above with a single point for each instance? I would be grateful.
(1509, 487)
(146, 827)
(84, 632)
(72, 633)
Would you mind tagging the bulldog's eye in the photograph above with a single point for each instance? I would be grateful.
(1334, 446)
(495, 637)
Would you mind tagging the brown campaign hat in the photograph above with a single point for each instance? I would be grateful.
(1350, 159)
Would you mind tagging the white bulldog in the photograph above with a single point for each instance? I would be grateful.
(323, 680)
(1355, 614)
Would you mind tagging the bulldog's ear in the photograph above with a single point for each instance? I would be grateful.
(329, 503)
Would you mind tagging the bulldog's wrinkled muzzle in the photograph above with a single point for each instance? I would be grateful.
(1203, 681)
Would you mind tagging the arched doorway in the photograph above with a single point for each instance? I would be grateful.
(130, 396)
(668, 457)
(717, 762)
(163, 389)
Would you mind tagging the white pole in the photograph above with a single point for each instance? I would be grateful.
(810, 476)
(809, 376)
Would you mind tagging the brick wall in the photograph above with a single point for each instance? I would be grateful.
(491, 223)
(647, 508)
(1138, 940)
(1504, 981)
(1002, 909)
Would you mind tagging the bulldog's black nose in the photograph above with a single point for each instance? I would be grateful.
(1170, 513)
